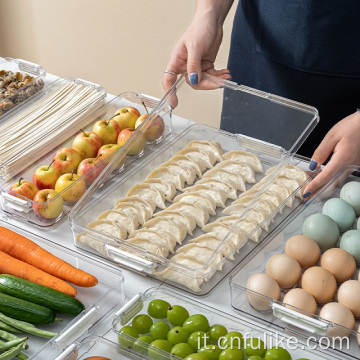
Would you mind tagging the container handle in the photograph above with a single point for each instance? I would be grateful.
(130, 309)
(299, 320)
(95, 86)
(260, 146)
(26, 65)
(76, 329)
(15, 202)
(65, 355)
(130, 260)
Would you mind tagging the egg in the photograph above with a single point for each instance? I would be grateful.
(349, 296)
(263, 289)
(323, 229)
(304, 250)
(339, 315)
(341, 212)
(340, 263)
(350, 192)
(284, 269)
(320, 283)
(358, 224)
(300, 300)
(350, 241)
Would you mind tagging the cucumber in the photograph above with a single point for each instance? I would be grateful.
(39, 294)
(25, 310)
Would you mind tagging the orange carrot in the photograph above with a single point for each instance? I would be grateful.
(12, 266)
(26, 250)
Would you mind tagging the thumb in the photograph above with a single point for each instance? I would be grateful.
(194, 66)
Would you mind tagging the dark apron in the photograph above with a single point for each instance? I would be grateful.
(304, 50)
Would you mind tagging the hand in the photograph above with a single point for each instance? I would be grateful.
(343, 141)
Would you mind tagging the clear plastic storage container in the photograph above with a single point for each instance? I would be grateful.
(103, 335)
(109, 280)
(27, 81)
(202, 279)
(23, 209)
(284, 316)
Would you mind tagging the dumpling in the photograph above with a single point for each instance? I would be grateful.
(145, 211)
(130, 222)
(244, 199)
(193, 197)
(93, 243)
(160, 237)
(164, 173)
(245, 170)
(147, 191)
(173, 226)
(215, 184)
(149, 245)
(217, 228)
(134, 210)
(228, 220)
(187, 163)
(226, 176)
(234, 209)
(211, 241)
(165, 187)
(188, 174)
(218, 195)
(291, 172)
(113, 229)
(186, 218)
(264, 205)
(248, 228)
(290, 184)
(202, 158)
(283, 193)
(148, 204)
(258, 217)
(200, 214)
(209, 146)
(246, 157)
(273, 197)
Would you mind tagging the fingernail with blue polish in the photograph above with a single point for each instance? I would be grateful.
(306, 195)
(194, 78)
(313, 165)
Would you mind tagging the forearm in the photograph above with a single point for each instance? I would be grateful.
(217, 10)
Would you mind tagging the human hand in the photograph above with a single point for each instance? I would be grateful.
(343, 141)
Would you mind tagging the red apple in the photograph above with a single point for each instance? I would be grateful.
(137, 146)
(126, 117)
(87, 144)
(24, 188)
(45, 177)
(155, 130)
(74, 190)
(48, 204)
(91, 168)
(108, 130)
(65, 160)
(107, 150)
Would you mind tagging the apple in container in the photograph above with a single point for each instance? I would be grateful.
(46, 176)
(66, 159)
(48, 204)
(109, 149)
(71, 190)
(87, 144)
(108, 131)
(126, 117)
(155, 130)
(23, 188)
(138, 146)
(91, 168)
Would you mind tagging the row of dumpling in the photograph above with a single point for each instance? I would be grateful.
(161, 185)
(206, 251)
(196, 204)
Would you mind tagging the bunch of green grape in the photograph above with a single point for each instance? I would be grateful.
(173, 331)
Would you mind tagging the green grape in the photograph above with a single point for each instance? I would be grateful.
(142, 343)
(277, 353)
(177, 314)
(155, 354)
(254, 357)
(142, 323)
(197, 356)
(159, 330)
(211, 351)
(177, 335)
(182, 350)
(158, 308)
(254, 346)
(232, 354)
(196, 322)
(198, 339)
(231, 339)
(125, 336)
(216, 331)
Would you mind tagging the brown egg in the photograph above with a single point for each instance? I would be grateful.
(349, 296)
(340, 315)
(263, 289)
(299, 299)
(284, 269)
(303, 249)
(340, 263)
(320, 283)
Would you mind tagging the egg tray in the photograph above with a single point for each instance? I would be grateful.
(103, 332)
(286, 317)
